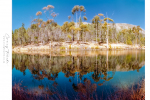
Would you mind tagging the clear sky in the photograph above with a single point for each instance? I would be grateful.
(121, 11)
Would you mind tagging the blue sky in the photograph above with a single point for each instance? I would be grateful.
(121, 11)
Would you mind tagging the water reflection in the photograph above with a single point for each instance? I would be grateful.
(78, 72)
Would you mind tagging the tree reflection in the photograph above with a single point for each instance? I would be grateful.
(49, 67)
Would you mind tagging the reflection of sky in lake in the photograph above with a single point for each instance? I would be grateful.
(123, 76)
(122, 79)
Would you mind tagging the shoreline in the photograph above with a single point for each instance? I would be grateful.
(75, 46)
(66, 48)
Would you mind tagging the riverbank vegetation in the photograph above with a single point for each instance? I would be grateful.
(102, 29)
(85, 90)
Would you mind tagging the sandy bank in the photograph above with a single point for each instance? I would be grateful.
(73, 46)
(65, 47)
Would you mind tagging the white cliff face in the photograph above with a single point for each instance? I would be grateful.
(119, 26)
(76, 25)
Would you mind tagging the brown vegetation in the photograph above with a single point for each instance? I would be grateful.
(86, 91)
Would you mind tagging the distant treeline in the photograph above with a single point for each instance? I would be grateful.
(100, 30)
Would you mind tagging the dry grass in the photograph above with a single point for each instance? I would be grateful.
(19, 93)
(136, 92)
(85, 91)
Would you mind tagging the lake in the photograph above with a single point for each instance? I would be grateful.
(96, 74)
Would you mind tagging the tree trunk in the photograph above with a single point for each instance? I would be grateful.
(107, 42)
(73, 37)
(85, 36)
(81, 36)
(77, 25)
(96, 33)
(107, 34)
(136, 39)
(53, 35)
(100, 33)
(96, 64)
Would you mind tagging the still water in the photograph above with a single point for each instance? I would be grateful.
(66, 73)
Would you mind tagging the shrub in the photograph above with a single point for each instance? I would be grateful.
(96, 47)
(62, 48)
(85, 47)
(13, 47)
(61, 39)
(69, 62)
(129, 42)
(69, 46)
(62, 52)
(98, 39)
(92, 48)
(110, 47)
(69, 36)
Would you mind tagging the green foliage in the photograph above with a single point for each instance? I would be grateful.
(96, 47)
(69, 46)
(128, 58)
(36, 37)
(92, 47)
(34, 26)
(110, 46)
(62, 48)
(129, 42)
(98, 39)
(69, 36)
(85, 18)
(142, 41)
(69, 62)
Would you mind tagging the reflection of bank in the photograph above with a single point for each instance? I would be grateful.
(102, 67)
(116, 63)
(83, 53)
(39, 61)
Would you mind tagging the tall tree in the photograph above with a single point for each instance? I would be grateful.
(95, 21)
(76, 10)
(101, 20)
(136, 31)
(65, 27)
(72, 29)
(125, 34)
(33, 27)
(111, 20)
(21, 34)
(84, 29)
(82, 9)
